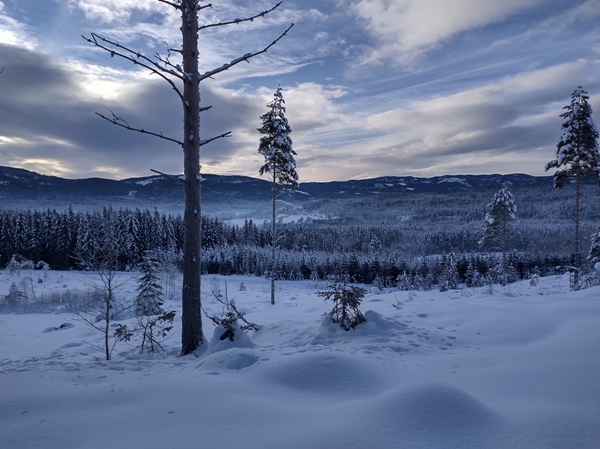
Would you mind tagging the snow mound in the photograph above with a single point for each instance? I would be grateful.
(241, 340)
(234, 359)
(436, 414)
(375, 324)
(328, 374)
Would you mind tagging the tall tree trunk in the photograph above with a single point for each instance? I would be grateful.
(504, 235)
(107, 326)
(273, 239)
(576, 255)
(191, 335)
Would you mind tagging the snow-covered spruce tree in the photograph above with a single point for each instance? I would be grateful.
(594, 254)
(149, 299)
(346, 299)
(404, 282)
(472, 276)
(153, 323)
(449, 277)
(577, 156)
(183, 77)
(499, 220)
(276, 147)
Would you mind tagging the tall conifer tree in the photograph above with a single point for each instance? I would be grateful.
(577, 156)
(501, 214)
(276, 147)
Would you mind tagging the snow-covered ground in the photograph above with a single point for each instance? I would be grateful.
(464, 369)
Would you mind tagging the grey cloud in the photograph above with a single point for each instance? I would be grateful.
(44, 104)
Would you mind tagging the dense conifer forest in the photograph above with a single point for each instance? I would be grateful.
(408, 240)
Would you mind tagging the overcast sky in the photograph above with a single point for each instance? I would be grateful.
(372, 87)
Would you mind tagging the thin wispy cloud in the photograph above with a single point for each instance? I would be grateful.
(14, 32)
(407, 29)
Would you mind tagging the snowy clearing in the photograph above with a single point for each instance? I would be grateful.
(462, 369)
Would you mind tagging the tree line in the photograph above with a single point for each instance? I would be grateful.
(54, 237)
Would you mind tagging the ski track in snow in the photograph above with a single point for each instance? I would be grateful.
(463, 369)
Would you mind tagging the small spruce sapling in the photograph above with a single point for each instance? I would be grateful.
(346, 299)
(229, 318)
(449, 278)
(149, 298)
(404, 282)
(153, 322)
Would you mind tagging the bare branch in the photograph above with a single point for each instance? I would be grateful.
(247, 56)
(152, 66)
(205, 108)
(199, 8)
(204, 142)
(167, 62)
(2, 70)
(173, 177)
(236, 21)
(174, 5)
(117, 121)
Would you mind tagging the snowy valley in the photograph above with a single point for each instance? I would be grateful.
(466, 368)
(451, 353)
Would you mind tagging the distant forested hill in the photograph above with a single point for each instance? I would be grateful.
(25, 189)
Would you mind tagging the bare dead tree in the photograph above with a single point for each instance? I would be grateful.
(104, 247)
(188, 76)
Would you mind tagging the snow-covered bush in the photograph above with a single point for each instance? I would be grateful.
(18, 263)
(230, 321)
(151, 329)
(15, 295)
(534, 280)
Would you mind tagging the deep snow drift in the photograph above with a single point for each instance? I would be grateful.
(463, 369)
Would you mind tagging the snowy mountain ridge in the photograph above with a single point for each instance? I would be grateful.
(19, 184)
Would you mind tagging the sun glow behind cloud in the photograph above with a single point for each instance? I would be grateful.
(372, 87)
